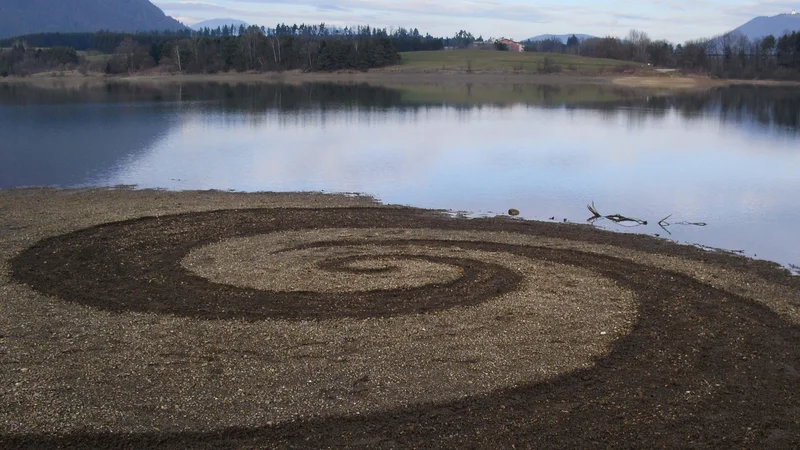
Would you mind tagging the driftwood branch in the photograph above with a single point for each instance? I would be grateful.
(623, 220)
(593, 210)
(617, 218)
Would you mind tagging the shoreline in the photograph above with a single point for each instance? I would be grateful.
(400, 77)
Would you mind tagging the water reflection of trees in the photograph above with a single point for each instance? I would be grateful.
(771, 107)
(242, 97)
(762, 105)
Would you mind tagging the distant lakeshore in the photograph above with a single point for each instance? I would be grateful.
(397, 75)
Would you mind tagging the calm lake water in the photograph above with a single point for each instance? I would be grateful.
(729, 158)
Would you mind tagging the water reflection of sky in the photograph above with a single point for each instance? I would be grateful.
(699, 160)
(545, 162)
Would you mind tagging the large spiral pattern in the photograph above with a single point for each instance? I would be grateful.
(398, 327)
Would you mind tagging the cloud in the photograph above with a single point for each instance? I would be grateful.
(675, 20)
(331, 8)
(192, 6)
(503, 10)
(186, 20)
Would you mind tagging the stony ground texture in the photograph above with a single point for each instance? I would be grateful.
(211, 319)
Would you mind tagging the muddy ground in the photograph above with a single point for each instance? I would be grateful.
(211, 319)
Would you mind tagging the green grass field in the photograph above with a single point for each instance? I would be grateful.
(495, 61)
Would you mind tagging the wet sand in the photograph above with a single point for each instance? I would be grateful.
(209, 319)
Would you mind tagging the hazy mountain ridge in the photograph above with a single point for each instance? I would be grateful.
(765, 26)
(562, 37)
(20, 17)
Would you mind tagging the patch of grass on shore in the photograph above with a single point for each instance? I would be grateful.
(495, 61)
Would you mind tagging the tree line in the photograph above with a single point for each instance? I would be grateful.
(254, 51)
(729, 56)
(323, 48)
(18, 60)
(251, 51)
(284, 47)
(405, 39)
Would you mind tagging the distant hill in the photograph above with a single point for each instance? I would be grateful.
(775, 25)
(218, 23)
(20, 17)
(561, 37)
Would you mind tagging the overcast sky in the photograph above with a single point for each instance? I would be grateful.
(675, 20)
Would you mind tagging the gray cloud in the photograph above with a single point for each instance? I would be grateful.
(753, 9)
(677, 20)
(331, 8)
(633, 17)
(514, 11)
(195, 7)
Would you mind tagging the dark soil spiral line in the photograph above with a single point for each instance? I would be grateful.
(702, 367)
(135, 266)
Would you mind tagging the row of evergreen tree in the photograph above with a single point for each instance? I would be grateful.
(254, 51)
(107, 42)
(251, 51)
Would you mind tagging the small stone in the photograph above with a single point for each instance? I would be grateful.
(513, 212)
(24, 370)
(603, 333)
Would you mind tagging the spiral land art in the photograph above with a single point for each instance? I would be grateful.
(399, 327)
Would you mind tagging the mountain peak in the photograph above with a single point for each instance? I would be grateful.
(775, 25)
(21, 17)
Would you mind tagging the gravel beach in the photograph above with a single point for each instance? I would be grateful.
(136, 318)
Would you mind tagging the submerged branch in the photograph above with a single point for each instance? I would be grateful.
(622, 220)
(617, 218)
(664, 224)
(694, 224)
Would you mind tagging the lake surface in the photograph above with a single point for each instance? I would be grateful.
(728, 158)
